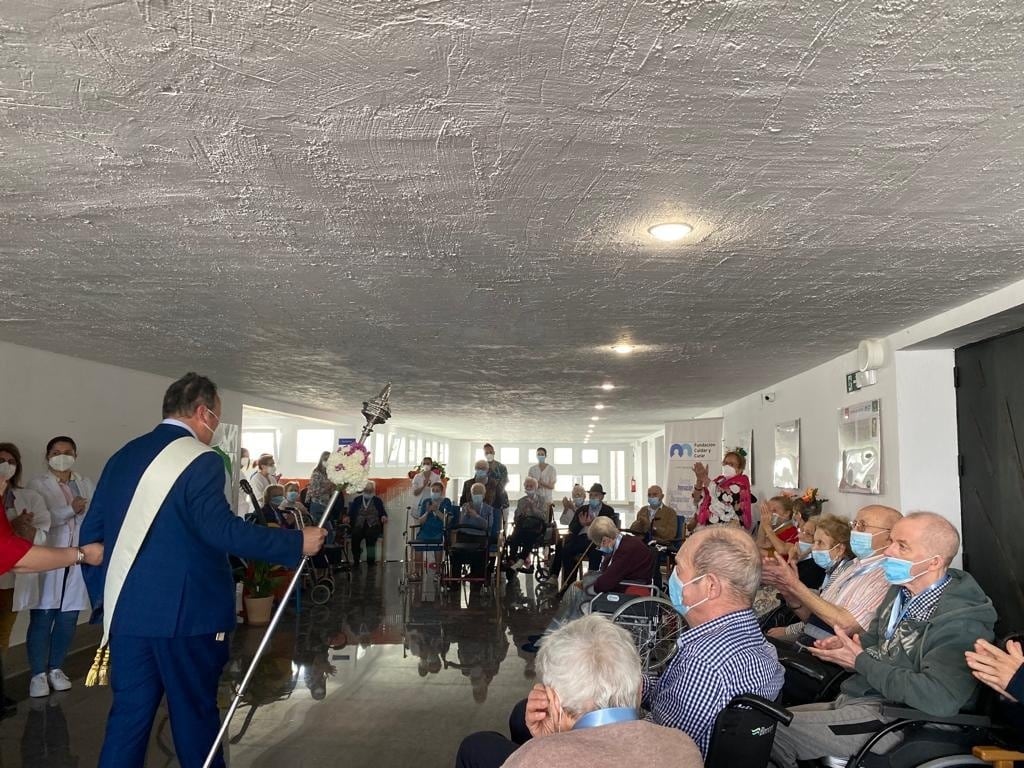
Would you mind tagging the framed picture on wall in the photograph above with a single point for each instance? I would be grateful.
(860, 448)
(786, 469)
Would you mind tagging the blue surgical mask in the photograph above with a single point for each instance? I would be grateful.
(675, 592)
(653, 501)
(578, 502)
(541, 458)
(435, 495)
(804, 547)
(367, 496)
(823, 557)
(293, 495)
(478, 499)
(898, 571)
(861, 543)
(481, 473)
(606, 550)
(277, 501)
(595, 503)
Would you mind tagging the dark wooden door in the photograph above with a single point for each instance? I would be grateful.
(990, 420)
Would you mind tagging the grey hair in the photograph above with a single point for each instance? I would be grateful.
(938, 535)
(482, 488)
(592, 664)
(602, 528)
(730, 554)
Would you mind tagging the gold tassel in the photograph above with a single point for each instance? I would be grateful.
(98, 672)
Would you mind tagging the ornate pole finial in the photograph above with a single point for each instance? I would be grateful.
(376, 411)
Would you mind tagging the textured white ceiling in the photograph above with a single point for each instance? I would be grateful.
(306, 199)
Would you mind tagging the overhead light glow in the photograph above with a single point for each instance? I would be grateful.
(594, 418)
(622, 349)
(599, 406)
(670, 231)
(607, 386)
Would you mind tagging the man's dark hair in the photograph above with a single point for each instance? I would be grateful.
(188, 393)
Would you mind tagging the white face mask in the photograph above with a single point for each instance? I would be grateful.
(728, 471)
(7, 471)
(61, 462)
(489, 456)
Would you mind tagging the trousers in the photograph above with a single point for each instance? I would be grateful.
(142, 671)
(810, 735)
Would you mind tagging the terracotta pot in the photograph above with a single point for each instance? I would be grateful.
(258, 610)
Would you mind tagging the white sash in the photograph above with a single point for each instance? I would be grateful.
(152, 490)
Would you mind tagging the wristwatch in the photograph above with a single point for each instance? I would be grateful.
(80, 558)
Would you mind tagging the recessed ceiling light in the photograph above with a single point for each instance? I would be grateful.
(607, 386)
(594, 418)
(599, 406)
(622, 349)
(670, 231)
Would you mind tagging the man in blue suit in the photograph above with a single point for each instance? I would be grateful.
(169, 632)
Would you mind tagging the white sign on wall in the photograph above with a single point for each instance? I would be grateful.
(686, 443)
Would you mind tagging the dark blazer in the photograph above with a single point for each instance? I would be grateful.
(633, 560)
(575, 526)
(181, 583)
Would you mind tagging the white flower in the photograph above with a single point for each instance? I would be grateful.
(349, 466)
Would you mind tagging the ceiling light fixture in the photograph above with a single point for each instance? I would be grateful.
(670, 231)
(607, 386)
(594, 418)
(599, 406)
(622, 349)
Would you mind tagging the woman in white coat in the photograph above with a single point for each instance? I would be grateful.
(30, 519)
(54, 618)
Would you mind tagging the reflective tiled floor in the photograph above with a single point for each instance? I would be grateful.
(379, 676)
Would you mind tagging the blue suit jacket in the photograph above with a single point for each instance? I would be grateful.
(181, 582)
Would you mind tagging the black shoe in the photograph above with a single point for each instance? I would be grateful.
(529, 647)
(526, 569)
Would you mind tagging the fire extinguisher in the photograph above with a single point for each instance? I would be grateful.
(632, 485)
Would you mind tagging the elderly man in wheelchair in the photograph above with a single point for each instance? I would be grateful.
(908, 667)
(626, 561)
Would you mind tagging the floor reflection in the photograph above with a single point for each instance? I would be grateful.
(380, 675)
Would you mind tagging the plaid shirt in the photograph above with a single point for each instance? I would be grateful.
(714, 662)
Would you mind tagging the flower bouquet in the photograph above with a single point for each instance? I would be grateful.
(349, 466)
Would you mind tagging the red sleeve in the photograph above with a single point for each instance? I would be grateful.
(789, 534)
(12, 548)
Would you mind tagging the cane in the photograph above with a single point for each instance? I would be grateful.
(575, 569)
(376, 411)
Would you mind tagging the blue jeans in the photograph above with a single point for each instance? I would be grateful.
(50, 633)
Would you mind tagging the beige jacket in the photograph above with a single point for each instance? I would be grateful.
(664, 522)
(635, 743)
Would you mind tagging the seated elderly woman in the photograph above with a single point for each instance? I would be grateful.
(625, 558)
(291, 505)
(531, 519)
(273, 498)
(585, 711)
(470, 535)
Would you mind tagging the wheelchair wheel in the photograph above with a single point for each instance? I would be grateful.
(320, 594)
(327, 582)
(655, 625)
(541, 574)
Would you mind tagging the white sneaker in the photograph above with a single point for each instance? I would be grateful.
(518, 564)
(59, 681)
(38, 686)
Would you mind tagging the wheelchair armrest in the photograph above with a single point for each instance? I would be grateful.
(763, 705)
(903, 712)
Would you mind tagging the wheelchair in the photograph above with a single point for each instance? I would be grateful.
(744, 732)
(464, 541)
(415, 567)
(318, 576)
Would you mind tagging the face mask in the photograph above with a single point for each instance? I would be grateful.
(728, 472)
(481, 474)
(541, 458)
(578, 501)
(61, 462)
(804, 547)
(531, 493)
(823, 558)
(489, 456)
(7, 471)
(898, 571)
(367, 495)
(478, 499)
(435, 496)
(293, 495)
(272, 469)
(427, 468)
(245, 462)
(277, 500)
(653, 502)
(595, 503)
(775, 521)
(606, 550)
(860, 543)
(675, 592)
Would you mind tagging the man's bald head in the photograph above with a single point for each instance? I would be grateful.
(879, 516)
(936, 534)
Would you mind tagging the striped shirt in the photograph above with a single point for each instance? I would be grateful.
(714, 662)
(859, 587)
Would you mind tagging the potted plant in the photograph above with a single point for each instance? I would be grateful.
(259, 583)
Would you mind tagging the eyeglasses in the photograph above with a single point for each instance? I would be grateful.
(859, 525)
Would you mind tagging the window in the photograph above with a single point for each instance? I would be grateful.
(563, 458)
(589, 456)
(589, 480)
(260, 442)
(617, 489)
(478, 455)
(563, 483)
(412, 456)
(509, 456)
(397, 450)
(515, 485)
(377, 453)
(310, 443)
